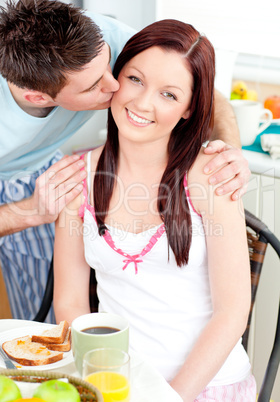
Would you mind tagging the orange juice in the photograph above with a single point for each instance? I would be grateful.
(113, 386)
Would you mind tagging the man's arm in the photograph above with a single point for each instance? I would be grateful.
(15, 217)
(54, 189)
(229, 164)
(225, 126)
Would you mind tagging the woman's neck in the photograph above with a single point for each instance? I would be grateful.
(139, 158)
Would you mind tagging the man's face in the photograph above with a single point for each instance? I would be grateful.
(92, 88)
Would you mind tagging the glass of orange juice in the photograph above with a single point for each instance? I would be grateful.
(108, 370)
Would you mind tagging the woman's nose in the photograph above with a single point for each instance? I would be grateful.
(145, 101)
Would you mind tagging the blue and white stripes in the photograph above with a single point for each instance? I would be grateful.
(25, 256)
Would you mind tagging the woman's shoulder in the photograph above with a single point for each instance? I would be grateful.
(196, 173)
(94, 157)
(200, 190)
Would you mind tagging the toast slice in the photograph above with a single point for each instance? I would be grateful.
(28, 353)
(54, 335)
(61, 347)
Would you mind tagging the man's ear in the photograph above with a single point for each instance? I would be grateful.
(186, 114)
(37, 97)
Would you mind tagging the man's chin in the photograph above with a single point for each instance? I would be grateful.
(103, 106)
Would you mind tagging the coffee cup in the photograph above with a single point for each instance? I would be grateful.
(98, 330)
(252, 119)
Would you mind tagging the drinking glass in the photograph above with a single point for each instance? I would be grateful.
(108, 370)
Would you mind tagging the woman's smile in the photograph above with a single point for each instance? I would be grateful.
(137, 120)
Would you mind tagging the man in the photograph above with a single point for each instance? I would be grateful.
(55, 66)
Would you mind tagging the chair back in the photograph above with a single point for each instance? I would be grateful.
(48, 295)
(259, 237)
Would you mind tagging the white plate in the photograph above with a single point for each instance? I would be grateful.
(33, 330)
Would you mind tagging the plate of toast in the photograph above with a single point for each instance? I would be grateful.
(42, 347)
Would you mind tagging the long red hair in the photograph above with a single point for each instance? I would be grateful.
(186, 138)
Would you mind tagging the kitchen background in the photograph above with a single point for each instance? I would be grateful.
(246, 36)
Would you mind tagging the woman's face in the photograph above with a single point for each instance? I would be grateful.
(155, 93)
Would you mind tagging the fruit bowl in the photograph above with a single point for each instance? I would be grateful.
(88, 392)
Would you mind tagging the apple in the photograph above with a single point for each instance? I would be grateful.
(273, 104)
(234, 95)
(57, 391)
(9, 391)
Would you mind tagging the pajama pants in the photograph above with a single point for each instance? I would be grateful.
(244, 391)
(25, 256)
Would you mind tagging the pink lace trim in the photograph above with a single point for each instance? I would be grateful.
(136, 258)
(129, 259)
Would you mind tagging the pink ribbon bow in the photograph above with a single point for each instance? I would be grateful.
(132, 258)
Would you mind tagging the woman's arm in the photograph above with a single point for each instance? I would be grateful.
(229, 275)
(71, 272)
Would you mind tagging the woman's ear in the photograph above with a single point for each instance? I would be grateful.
(186, 114)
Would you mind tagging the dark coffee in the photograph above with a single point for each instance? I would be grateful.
(100, 330)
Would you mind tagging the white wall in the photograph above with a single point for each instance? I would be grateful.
(135, 13)
(250, 26)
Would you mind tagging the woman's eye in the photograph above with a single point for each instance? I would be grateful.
(134, 79)
(169, 95)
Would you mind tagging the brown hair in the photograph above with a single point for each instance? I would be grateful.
(41, 40)
(185, 140)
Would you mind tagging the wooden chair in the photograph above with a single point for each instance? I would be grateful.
(259, 237)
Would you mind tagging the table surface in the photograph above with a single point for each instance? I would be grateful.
(147, 385)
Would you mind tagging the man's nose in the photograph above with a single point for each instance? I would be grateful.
(110, 84)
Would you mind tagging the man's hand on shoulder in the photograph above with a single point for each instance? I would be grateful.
(57, 187)
(229, 164)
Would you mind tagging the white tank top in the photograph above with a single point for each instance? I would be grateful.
(167, 307)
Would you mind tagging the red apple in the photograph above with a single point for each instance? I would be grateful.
(273, 103)
(9, 390)
(57, 391)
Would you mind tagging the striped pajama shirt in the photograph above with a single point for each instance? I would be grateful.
(25, 256)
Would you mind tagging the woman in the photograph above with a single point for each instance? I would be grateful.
(169, 254)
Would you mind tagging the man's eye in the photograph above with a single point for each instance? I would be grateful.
(93, 88)
(169, 95)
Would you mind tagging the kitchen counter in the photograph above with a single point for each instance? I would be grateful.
(263, 164)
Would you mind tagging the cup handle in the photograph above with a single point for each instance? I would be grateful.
(269, 117)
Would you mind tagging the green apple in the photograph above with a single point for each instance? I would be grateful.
(57, 391)
(9, 390)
